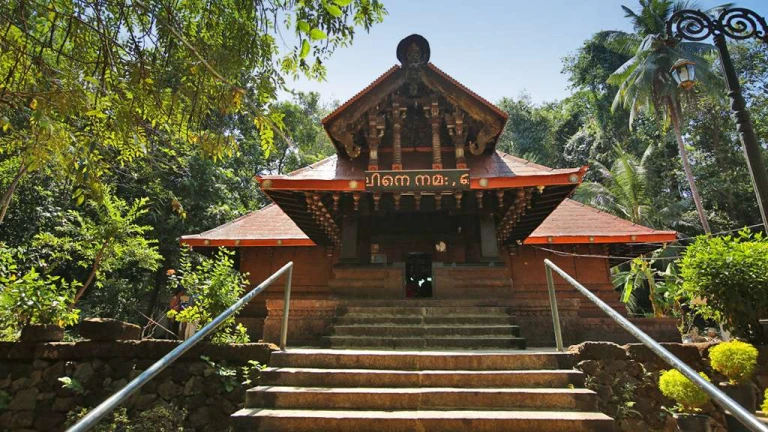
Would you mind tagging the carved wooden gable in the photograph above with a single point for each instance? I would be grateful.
(415, 107)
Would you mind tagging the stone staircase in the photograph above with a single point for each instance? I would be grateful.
(348, 390)
(428, 324)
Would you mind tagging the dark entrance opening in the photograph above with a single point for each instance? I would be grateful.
(418, 275)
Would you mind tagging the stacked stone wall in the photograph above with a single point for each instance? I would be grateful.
(205, 385)
(626, 379)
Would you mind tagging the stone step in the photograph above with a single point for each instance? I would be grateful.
(436, 320)
(425, 330)
(423, 310)
(418, 360)
(424, 302)
(256, 419)
(310, 377)
(427, 342)
(414, 398)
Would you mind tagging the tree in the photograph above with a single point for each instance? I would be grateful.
(214, 286)
(108, 240)
(91, 85)
(624, 191)
(645, 82)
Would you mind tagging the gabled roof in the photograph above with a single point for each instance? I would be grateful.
(269, 226)
(391, 71)
(360, 94)
(573, 222)
(570, 223)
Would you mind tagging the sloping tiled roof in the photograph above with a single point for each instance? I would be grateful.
(574, 222)
(395, 68)
(570, 223)
(360, 94)
(269, 226)
(498, 164)
(479, 98)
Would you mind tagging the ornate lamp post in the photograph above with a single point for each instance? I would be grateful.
(739, 24)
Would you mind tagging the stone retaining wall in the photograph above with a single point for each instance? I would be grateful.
(33, 398)
(626, 380)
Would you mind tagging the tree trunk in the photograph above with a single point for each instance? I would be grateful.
(5, 202)
(155, 292)
(92, 275)
(674, 114)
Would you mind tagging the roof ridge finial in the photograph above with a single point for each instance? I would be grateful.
(413, 51)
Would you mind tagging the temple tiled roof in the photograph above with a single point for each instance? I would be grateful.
(396, 68)
(498, 164)
(269, 226)
(574, 222)
(570, 223)
(360, 94)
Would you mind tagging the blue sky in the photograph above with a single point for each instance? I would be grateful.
(495, 47)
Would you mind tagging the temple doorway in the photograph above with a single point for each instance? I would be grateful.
(418, 275)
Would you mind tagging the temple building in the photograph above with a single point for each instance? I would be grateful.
(418, 214)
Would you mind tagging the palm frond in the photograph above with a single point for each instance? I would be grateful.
(619, 41)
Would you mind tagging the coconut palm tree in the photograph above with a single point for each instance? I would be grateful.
(645, 82)
(624, 192)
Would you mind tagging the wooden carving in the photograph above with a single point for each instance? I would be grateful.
(458, 133)
(432, 112)
(398, 114)
(373, 135)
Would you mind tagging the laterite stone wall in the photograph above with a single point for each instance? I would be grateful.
(33, 399)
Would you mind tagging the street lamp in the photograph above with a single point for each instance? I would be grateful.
(739, 24)
(684, 73)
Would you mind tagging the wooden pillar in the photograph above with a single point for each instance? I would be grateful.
(458, 135)
(398, 114)
(433, 113)
(373, 138)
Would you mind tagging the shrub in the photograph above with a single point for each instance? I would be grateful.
(160, 418)
(765, 403)
(116, 421)
(29, 297)
(731, 274)
(736, 360)
(213, 285)
(688, 396)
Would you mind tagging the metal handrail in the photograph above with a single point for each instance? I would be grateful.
(741, 414)
(96, 414)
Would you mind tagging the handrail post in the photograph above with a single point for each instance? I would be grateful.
(286, 309)
(555, 312)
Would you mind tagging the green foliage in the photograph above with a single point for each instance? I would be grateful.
(624, 190)
(731, 274)
(72, 384)
(107, 239)
(764, 406)
(116, 421)
(5, 399)
(213, 285)
(644, 81)
(160, 418)
(688, 396)
(89, 87)
(29, 297)
(735, 359)
(229, 374)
